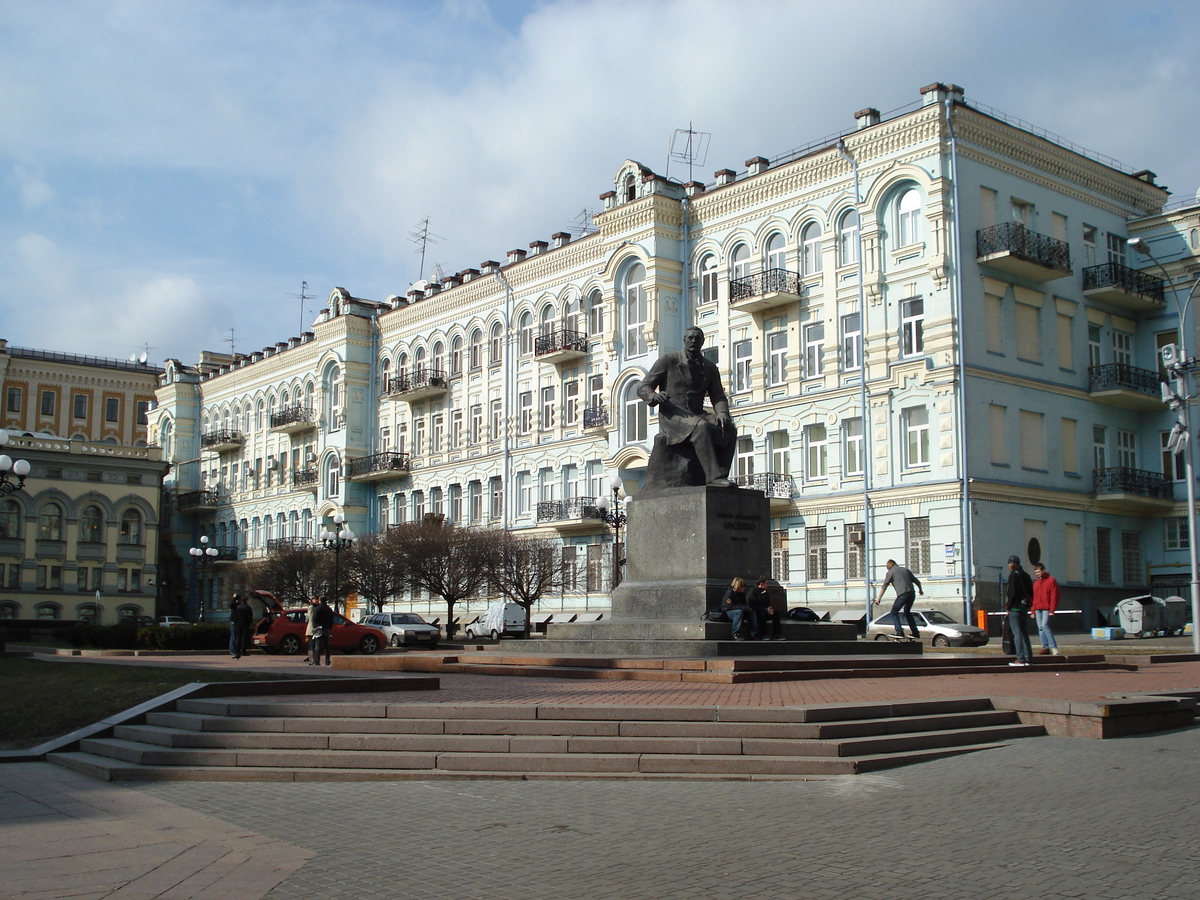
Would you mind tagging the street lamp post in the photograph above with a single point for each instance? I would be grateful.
(18, 467)
(204, 556)
(337, 540)
(616, 515)
(1180, 401)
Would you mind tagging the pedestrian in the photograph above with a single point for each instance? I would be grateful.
(243, 621)
(1018, 597)
(322, 622)
(233, 635)
(764, 609)
(735, 605)
(308, 630)
(1045, 605)
(903, 581)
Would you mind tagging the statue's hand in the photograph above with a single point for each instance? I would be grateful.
(658, 398)
(725, 420)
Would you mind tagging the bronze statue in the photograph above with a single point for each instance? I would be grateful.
(694, 446)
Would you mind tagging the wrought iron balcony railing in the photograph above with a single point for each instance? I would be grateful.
(305, 478)
(1123, 480)
(227, 554)
(387, 461)
(293, 415)
(297, 543)
(198, 500)
(773, 484)
(1015, 238)
(1130, 280)
(1120, 375)
(572, 508)
(221, 438)
(595, 417)
(418, 379)
(558, 341)
(772, 281)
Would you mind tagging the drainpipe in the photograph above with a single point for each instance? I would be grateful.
(956, 284)
(506, 485)
(373, 439)
(862, 381)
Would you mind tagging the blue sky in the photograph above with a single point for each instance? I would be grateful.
(170, 171)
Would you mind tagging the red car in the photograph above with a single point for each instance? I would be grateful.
(282, 631)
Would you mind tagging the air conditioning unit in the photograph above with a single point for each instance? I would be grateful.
(311, 457)
(854, 534)
(272, 464)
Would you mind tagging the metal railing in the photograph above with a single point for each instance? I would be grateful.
(296, 543)
(293, 415)
(1120, 375)
(1123, 480)
(595, 417)
(415, 380)
(387, 461)
(227, 554)
(1015, 238)
(773, 484)
(198, 500)
(1132, 280)
(305, 477)
(557, 341)
(572, 508)
(769, 282)
(224, 436)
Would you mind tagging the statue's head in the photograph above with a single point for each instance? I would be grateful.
(693, 339)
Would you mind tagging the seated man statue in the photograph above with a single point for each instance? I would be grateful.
(694, 446)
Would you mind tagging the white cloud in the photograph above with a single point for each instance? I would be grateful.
(32, 190)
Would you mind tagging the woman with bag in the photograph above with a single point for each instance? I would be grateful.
(736, 606)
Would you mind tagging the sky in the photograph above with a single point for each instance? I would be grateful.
(172, 172)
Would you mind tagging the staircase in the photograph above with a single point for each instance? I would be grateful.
(270, 740)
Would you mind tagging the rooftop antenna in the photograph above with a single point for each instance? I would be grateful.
(231, 340)
(583, 223)
(303, 297)
(437, 275)
(423, 237)
(688, 146)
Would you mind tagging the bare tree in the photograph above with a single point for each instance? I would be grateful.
(525, 569)
(445, 560)
(292, 572)
(375, 567)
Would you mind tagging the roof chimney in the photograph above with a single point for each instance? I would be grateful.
(938, 93)
(867, 117)
(489, 266)
(538, 247)
(725, 176)
(515, 256)
(757, 165)
(561, 239)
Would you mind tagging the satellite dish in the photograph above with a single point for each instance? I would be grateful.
(142, 357)
(133, 357)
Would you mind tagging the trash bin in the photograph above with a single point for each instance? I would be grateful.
(1176, 612)
(1140, 616)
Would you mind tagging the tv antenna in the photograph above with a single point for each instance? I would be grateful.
(688, 146)
(423, 237)
(583, 223)
(303, 297)
(231, 340)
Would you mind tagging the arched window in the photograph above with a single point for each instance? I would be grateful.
(496, 345)
(226, 419)
(10, 519)
(166, 437)
(333, 398)
(48, 611)
(475, 360)
(88, 613)
(547, 321)
(810, 248)
(128, 613)
(419, 362)
(630, 187)
(740, 263)
(456, 355)
(9, 610)
(246, 418)
(333, 471)
(131, 527)
(91, 524)
(595, 306)
(775, 252)
(634, 424)
(402, 365)
(260, 410)
(525, 329)
(573, 316)
(708, 279)
(908, 214)
(635, 311)
(848, 238)
(308, 395)
(50, 522)
(438, 361)
(271, 407)
(385, 374)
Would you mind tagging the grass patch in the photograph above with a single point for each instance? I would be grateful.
(46, 699)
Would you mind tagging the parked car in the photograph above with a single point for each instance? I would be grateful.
(167, 621)
(283, 632)
(140, 621)
(501, 618)
(935, 626)
(405, 628)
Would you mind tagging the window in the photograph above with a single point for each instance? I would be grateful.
(1029, 330)
(436, 506)
(815, 542)
(777, 352)
(10, 577)
(852, 430)
(1131, 558)
(455, 514)
(1070, 448)
(418, 506)
(475, 351)
(1093, 345)
(48, 401)
(781, 561)
(91, 521)
(438, 361)
(814, 349)
(1122, 347)
(635, 311)
(740, 263)
(456, 355)
(595, 310)
(48, 578)
(571, 402)
(332, 477)
(13, 401)
(779, 446)
(79, 405)
(916, 430)
(1104, 555)
(596, 391)
(744, 457)
(848, 239)
(810, 249)
(1033, 440)
(1099, 447)
(636, 415)
(741, 366)
(1175, 533)
(573, 316)
(1126, 449)
(436, 432)
(497, 429)
(1116, 248)
(708, 279)
(525, 412)
(546, 326)
(475, 501)
(1066, 353)
(775, 252)
(908, 212)
(10, 519)
(547, 418)
(1173, 462)
(50, 522)
(496, 345)
(852, 342)
(524, 493)
(916, 542)
(854, 547)
(129, 580)
(816, 439)
(1089, 245)
(912, 327)
(993, 311)
(89, 578)
(476, 428)
(525, 330)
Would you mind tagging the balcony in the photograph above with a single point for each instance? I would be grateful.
(595, 417)
(222, 441)
(305, 478)
(1121, 385)
(293, 420)
(560, 346)
(379, 466)
(1011, 247)
(1124, 287)
(777, 486)
(227, 554)
(766, 290)
(416, 385)
(283, 545)
(1133, 490)
(197, 501)
(573, 514)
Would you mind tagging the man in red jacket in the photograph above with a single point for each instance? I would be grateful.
(1045, 603)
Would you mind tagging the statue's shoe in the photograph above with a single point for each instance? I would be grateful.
(721, 482)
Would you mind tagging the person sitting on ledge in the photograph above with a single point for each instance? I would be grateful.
(736, 606)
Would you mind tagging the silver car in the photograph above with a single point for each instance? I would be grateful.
(405, 628)
(935, 626)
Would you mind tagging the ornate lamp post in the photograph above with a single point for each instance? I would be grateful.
(18, 467)
(337, 540)
(204, 556)
(615, 514)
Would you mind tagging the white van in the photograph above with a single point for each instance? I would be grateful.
(502, 617)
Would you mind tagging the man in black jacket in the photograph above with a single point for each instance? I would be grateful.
(322, 625)
(764, 608)
(1018, 598)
